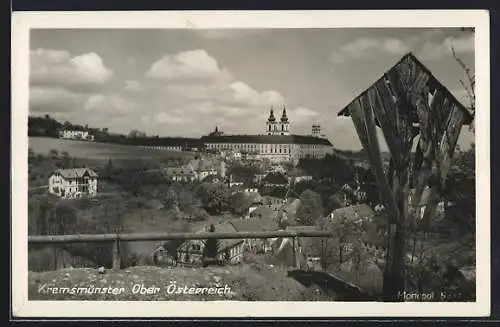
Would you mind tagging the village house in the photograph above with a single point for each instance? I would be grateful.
(235, 181)
(180, 174)
(251, 188)
(277, 168)
(213, 179)
(73, 183)
(204, 167)
(273, 201)
(261, 224)
(275, 180)
(252, 207)
(73, 134)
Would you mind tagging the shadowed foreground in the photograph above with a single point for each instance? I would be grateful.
(246, 282)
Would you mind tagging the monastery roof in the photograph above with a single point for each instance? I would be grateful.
(76, 172)
(267, 139)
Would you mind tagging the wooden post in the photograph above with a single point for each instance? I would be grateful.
(116, 253)
(294, 250)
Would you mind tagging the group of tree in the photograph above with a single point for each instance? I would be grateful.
(47, 126)
(310, 209)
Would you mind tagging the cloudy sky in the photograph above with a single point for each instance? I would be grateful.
(183, 82)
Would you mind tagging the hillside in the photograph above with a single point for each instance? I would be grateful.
(249, 282)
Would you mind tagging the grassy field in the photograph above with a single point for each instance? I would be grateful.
(95, 150)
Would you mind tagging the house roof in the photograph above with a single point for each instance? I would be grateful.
(355, 211)
(267, 139)
(409, 59)
(275, 178)
(254, 224)
(76, 173)
(211, 179)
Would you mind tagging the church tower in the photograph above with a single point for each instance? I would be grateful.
(284, 128)
(271, 124)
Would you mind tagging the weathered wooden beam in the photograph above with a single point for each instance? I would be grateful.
(426, 145)
(47, 239)
(384, 106)
(364, 123)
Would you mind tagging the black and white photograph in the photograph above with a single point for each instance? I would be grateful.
(179, 161)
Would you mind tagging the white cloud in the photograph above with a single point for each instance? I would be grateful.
(302, 114)
(187, 65)
(132, 86)
(366, 47)
(436, 50)
(195, 83)
(59, 69)
(108, 104)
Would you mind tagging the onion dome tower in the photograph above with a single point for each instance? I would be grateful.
(271, 124)
(284, 123)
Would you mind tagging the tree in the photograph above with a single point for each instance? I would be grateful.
(54, 154)
(238, 203)
(185, 200)
(109, 168)
(136, 134)
(171, 199)
(214, 197)
(65, 160)
(310, 208)
(460, 193)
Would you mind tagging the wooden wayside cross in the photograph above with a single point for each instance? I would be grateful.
(407, 102)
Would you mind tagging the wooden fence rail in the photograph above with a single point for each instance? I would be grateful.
(116, 238)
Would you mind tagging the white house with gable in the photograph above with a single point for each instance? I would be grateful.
(73, 183)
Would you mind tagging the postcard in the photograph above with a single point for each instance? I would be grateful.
(250, 164)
